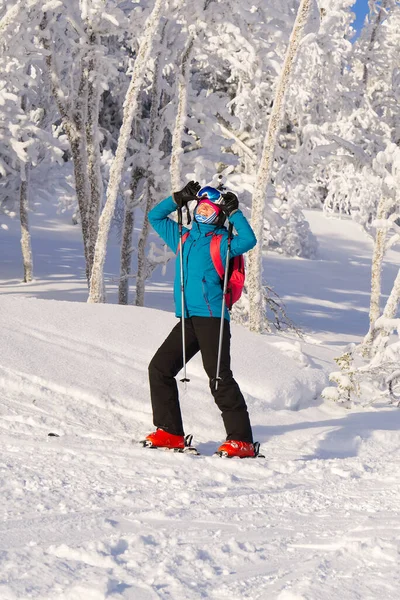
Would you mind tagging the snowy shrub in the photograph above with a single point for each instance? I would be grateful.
(347, 388)
(288, 230)
(364, 381)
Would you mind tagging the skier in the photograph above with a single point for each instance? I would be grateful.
(202, 318)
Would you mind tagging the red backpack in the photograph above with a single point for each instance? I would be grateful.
(236, 273)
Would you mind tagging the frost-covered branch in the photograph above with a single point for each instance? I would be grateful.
(92, 76)
(54, 77)
(376, 277)
(127, 236)
(73, 121)
(230, 134)
(150, 185)
(25, 234)
(383, 327)
(12, 13)
(181, 114)
(381, 10)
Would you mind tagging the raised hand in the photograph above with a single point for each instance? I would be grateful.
(186, 194)
(230, 204)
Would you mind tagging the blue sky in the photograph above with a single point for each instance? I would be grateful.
(361, 9)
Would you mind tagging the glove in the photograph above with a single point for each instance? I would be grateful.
(188, 193)
(230, 204)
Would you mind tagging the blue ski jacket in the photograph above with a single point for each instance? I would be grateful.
(202, 284)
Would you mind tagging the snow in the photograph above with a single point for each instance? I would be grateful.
(91, 515)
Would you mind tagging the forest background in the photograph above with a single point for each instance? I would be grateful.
(108, 105)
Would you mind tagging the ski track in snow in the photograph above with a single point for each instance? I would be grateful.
(138, 523)
(90, 515)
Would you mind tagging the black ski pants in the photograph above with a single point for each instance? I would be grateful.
(201, 333)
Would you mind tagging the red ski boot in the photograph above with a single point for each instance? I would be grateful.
(232, 448)
(163, 439)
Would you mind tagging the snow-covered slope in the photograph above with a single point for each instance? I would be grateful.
(91, 515)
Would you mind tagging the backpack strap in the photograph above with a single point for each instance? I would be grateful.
(184, 238)
(215, 251)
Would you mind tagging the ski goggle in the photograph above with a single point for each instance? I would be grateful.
(211, 194)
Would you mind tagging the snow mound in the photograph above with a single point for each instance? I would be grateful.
(93, 359)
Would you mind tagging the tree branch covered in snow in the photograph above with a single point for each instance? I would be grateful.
(181, 114)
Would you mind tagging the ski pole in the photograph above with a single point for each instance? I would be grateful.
(185, 379)
(221, 329)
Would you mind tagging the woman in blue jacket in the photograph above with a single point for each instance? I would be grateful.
(202, 305)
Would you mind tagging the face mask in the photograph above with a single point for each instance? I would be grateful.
(204, 219)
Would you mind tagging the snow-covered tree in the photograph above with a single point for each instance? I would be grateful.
(152, 167)
(131, 202)
(352, 117)
(314, 98)
(25, 112)
(74, 39)
(387, 167)
(307, 15)
(130, 108)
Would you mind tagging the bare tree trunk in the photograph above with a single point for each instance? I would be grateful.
(74, 125)
(392, 303)
(180, 116)
(75, 129)
(379, 336)
(126, 255)
(93, 147)
(376, 277)
(79, 158)
(26, 246)
(130, 108)
(127, 237)
(149, 189)
(257, 316)
(144, 234)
